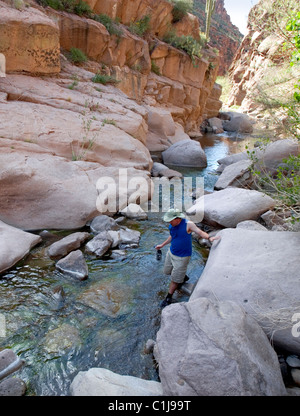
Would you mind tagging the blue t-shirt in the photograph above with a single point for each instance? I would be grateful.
(181, 243)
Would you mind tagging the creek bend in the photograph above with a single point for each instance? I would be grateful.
(58, 339)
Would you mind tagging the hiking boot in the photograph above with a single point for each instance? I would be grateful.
(166, 302)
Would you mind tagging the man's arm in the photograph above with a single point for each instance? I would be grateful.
(191, 227)
(168, 241)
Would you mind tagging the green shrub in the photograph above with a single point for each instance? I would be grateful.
(140, 27)
(79, 7)
(82, 8)
(180, 9)
(155, 68)
(77, 56)
(104, 79)
(111, 26)
(186, 43)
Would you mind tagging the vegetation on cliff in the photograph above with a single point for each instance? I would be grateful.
(279, 94)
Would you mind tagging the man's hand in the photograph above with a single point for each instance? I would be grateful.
(216, 237)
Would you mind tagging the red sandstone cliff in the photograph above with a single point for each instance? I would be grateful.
(223, 34)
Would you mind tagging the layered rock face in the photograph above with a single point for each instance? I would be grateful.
(29, 41)
(260, 70)
(224, 36)
(62, 134)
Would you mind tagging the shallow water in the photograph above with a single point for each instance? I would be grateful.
(106, 320)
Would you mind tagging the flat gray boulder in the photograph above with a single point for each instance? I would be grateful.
(210, 348)
(103, 382)
(238, 122)
(237, 174)
(14, 245)
(100, 244)
(103, 223)
(230, 206)
(187, 153)
(260, 271)
(67, 244)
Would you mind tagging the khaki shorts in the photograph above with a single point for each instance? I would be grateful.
(176, 267)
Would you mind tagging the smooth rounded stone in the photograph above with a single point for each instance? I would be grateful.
(67, 244)
(103, 223)
(103, 382)
(14, 245)
(12, 387)
(237, 174)
(267, 287)
(100, 244)
(236, 157)
(230, 206)
(187, 153)
(134, 211)
(73, 265)
(61, 339)
(9, 363)
(238, 122)
(223, 351)
(293, 361)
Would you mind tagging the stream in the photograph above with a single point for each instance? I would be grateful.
(57, 339)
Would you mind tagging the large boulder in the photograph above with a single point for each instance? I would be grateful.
(67, 244)
(228, 207)
(237, 174)
(210, 348)
(265, 157)
(14, 245)
(187, 153)
(103, 382)
(238, 122)
(269, 158)
(48, 191)
(259, 270)
(59, 147)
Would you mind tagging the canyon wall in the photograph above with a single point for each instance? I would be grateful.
(224, 36)
(260, 73)
(61, 130)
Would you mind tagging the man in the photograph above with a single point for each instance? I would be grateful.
(179, 254)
